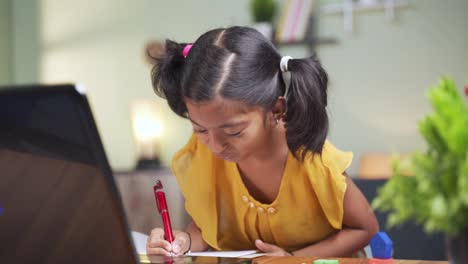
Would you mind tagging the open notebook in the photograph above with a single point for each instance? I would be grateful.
(140, 239)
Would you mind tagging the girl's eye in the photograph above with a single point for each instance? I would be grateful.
(199, 131)
(234, 134)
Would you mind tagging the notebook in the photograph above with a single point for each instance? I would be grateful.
(140, 239)
(58, 198)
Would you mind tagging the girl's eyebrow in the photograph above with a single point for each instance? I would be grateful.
(233, 124)
(226, 125)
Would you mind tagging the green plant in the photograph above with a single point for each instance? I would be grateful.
(435, 193)
(263, 10)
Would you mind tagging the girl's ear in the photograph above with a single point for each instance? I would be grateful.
(279, 108)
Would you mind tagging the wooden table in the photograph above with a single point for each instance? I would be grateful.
(267, 260)
(309, 260)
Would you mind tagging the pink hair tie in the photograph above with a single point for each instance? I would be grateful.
(186, 50)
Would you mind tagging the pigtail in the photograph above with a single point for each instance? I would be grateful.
(166, 76)
(306, 117)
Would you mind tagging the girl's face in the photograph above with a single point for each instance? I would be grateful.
(230, 129)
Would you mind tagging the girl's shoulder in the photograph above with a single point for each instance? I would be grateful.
(331, 158)
(192, 167)
(325, 174)
(335, 158)
(328, 166)
(192, 158)
(187, 150)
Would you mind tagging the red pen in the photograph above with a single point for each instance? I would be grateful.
(162, 209)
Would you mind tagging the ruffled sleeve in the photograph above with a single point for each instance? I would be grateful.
(326, 177)
(192, 167)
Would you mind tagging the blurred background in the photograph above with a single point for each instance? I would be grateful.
(380, 65)
(382, 56)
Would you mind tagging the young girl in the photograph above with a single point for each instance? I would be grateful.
(258, 173)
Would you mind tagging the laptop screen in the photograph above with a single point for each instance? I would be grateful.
(58, 197)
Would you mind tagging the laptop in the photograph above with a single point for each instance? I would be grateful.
(59, 202)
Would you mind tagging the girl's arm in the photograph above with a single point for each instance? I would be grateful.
(197, 242)
(359, 226)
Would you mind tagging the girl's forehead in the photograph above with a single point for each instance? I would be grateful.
(218, 111)
(218, 103)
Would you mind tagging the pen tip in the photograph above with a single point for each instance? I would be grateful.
(158, 185)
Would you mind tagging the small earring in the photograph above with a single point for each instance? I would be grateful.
(277, 121)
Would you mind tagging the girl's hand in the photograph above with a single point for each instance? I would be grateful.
(157, 245)
(270, 249)
(181, 243)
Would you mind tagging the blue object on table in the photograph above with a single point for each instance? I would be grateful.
(381, 246)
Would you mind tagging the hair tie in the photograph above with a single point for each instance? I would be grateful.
(284, 63)
(186, 50)
(286, 75)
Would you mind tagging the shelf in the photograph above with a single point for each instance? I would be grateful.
(313, 42)
(338, 8)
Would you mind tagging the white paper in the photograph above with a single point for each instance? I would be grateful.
(139, 240)
(225, 254)
(258, 254)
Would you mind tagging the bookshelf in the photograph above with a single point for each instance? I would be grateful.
(347, 8)
(311, 38)
(313, 41)
(297, 26)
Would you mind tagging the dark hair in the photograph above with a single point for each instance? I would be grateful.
(239, 63)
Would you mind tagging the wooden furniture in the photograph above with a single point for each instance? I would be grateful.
(375, 166)
(378, 165)
(309, 260)
(270, 260)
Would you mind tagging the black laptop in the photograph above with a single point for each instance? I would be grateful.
(58, 200)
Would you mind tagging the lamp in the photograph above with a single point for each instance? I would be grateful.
(147, 131)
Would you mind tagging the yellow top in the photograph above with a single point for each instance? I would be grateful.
(308, 207)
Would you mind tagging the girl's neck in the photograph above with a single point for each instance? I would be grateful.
(275, 149)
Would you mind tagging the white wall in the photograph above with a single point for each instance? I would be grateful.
(26, 48)
(102, 48)
(378, 75)
(5, 42)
